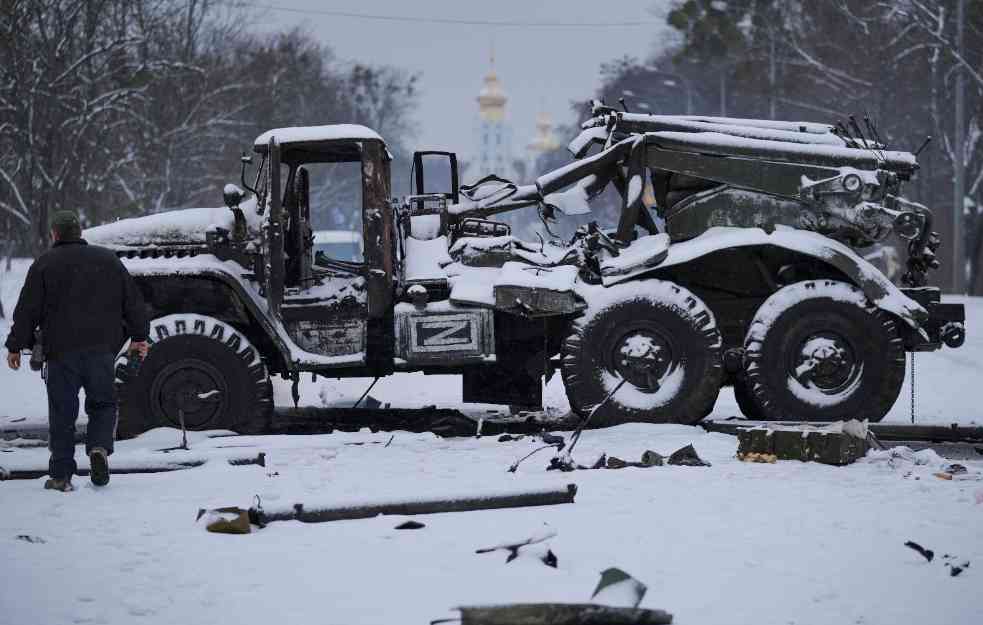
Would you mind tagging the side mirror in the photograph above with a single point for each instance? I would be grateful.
(232, 195)
(436, 172)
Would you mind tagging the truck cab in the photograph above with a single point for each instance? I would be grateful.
(246, 293)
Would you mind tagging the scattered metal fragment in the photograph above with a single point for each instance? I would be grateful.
(928, 554)
(31, 539)
(615, 463)
(550, 559)
(954, 571)
(515, 465)
(617, 585)
(687, 457)
(652, 459)
(554, 439)
(513, 548)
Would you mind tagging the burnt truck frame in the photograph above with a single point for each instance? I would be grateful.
(758, 232)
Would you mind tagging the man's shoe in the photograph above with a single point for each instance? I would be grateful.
(99, 467)
(64, 485)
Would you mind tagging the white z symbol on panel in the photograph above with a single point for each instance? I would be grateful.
(444, 337)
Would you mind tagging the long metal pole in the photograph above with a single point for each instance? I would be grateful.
(958, 164)
(723, 92)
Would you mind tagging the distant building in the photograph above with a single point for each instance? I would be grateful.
(494, 136)
(544, 141)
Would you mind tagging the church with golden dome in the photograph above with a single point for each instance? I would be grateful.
(493, 153)
(494, 136)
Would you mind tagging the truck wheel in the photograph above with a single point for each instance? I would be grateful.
(745, 401)
(191, 356)
(819, 351)
(660, 339)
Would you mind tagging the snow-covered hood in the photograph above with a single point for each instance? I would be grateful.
(177, 227)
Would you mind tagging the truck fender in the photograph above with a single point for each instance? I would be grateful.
(199, 267)
(875, 286)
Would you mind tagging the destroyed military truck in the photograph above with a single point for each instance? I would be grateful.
(733, 263)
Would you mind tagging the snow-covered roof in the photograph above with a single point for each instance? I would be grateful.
(331, 132)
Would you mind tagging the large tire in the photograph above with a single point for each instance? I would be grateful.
(745, 401)
(658, 337)
(189, 356)
(819, 351)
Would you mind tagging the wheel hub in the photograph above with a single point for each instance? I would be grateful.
(189, 386)
(825, 361)
(643, 358)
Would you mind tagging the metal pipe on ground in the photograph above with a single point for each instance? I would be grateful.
(33, 474)
(314, 514)
(561, 614)
(954, 433)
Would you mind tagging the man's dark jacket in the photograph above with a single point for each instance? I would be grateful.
(82, 297)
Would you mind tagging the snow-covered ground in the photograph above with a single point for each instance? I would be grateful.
(734, 542)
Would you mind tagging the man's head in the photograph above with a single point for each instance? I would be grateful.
(65, 226)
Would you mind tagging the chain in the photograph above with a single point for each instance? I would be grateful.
(912, 388)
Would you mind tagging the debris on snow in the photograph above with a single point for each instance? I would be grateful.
(618, 588)
(229, 520)
(928, 554)
(904, 458)
(837, 443)
(366, 509)
(550, 559)
(514, 547)
(759, 457)
(410, 525)
(687, 457)
(558, 614)
(31, 539)
(955, 570)
(652, 459)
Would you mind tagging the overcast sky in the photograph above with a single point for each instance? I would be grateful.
(542, 69)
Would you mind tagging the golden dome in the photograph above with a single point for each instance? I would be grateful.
(544, 141)
(491, 98)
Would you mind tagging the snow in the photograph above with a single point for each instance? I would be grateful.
(331, 132)
(716, 142)
(583, 140)
(425, 259)
(560, 278)
(573, 201)
(789, 126)
(788, 132)
(644, 253)
(186, 226)
(830, 538)
(827, 538)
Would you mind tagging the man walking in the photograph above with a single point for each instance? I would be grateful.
(86, 305)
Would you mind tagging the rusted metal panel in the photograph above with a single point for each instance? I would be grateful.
(377, 228)
(334, 337)
(274, 234)
(449, 336)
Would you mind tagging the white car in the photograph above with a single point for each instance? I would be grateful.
(339, 244)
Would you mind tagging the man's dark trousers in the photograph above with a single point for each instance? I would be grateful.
(93, 370)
